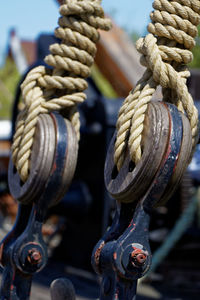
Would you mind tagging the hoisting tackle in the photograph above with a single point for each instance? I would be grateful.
(45, 144)
(151, 148)
(149, 152)
(123, 255)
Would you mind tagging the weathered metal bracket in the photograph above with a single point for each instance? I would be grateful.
(123, 255)
(23, 250)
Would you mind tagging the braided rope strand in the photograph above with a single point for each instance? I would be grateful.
(45, 90)
(165, 52)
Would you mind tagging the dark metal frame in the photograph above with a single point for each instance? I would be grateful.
(23, 250)
(123, 255)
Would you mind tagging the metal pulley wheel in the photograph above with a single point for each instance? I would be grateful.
(53, 162)
(53, 158)
(164, 127)
(182, 161)
(123, 254)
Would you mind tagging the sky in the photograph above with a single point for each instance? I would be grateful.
(30, 18)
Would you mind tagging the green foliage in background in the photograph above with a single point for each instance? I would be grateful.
(196, 53)
(9, 78)
(134, 36)
(102, 83)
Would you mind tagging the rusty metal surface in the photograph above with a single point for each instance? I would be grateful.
(168, 284)
(23, 251)
(123, 255)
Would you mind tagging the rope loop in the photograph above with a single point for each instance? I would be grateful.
(60, 88)
(165, 52)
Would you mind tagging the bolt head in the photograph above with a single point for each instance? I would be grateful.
(138, 257)
(34, 256)
(135, 261)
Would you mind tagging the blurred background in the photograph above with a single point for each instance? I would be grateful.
(81, 218)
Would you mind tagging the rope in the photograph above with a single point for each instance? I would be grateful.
(165, 52)
(60, 88)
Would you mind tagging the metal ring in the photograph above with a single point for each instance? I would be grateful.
(40, 165)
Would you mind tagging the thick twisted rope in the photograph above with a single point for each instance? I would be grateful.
(165, 53)
(61, 88)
